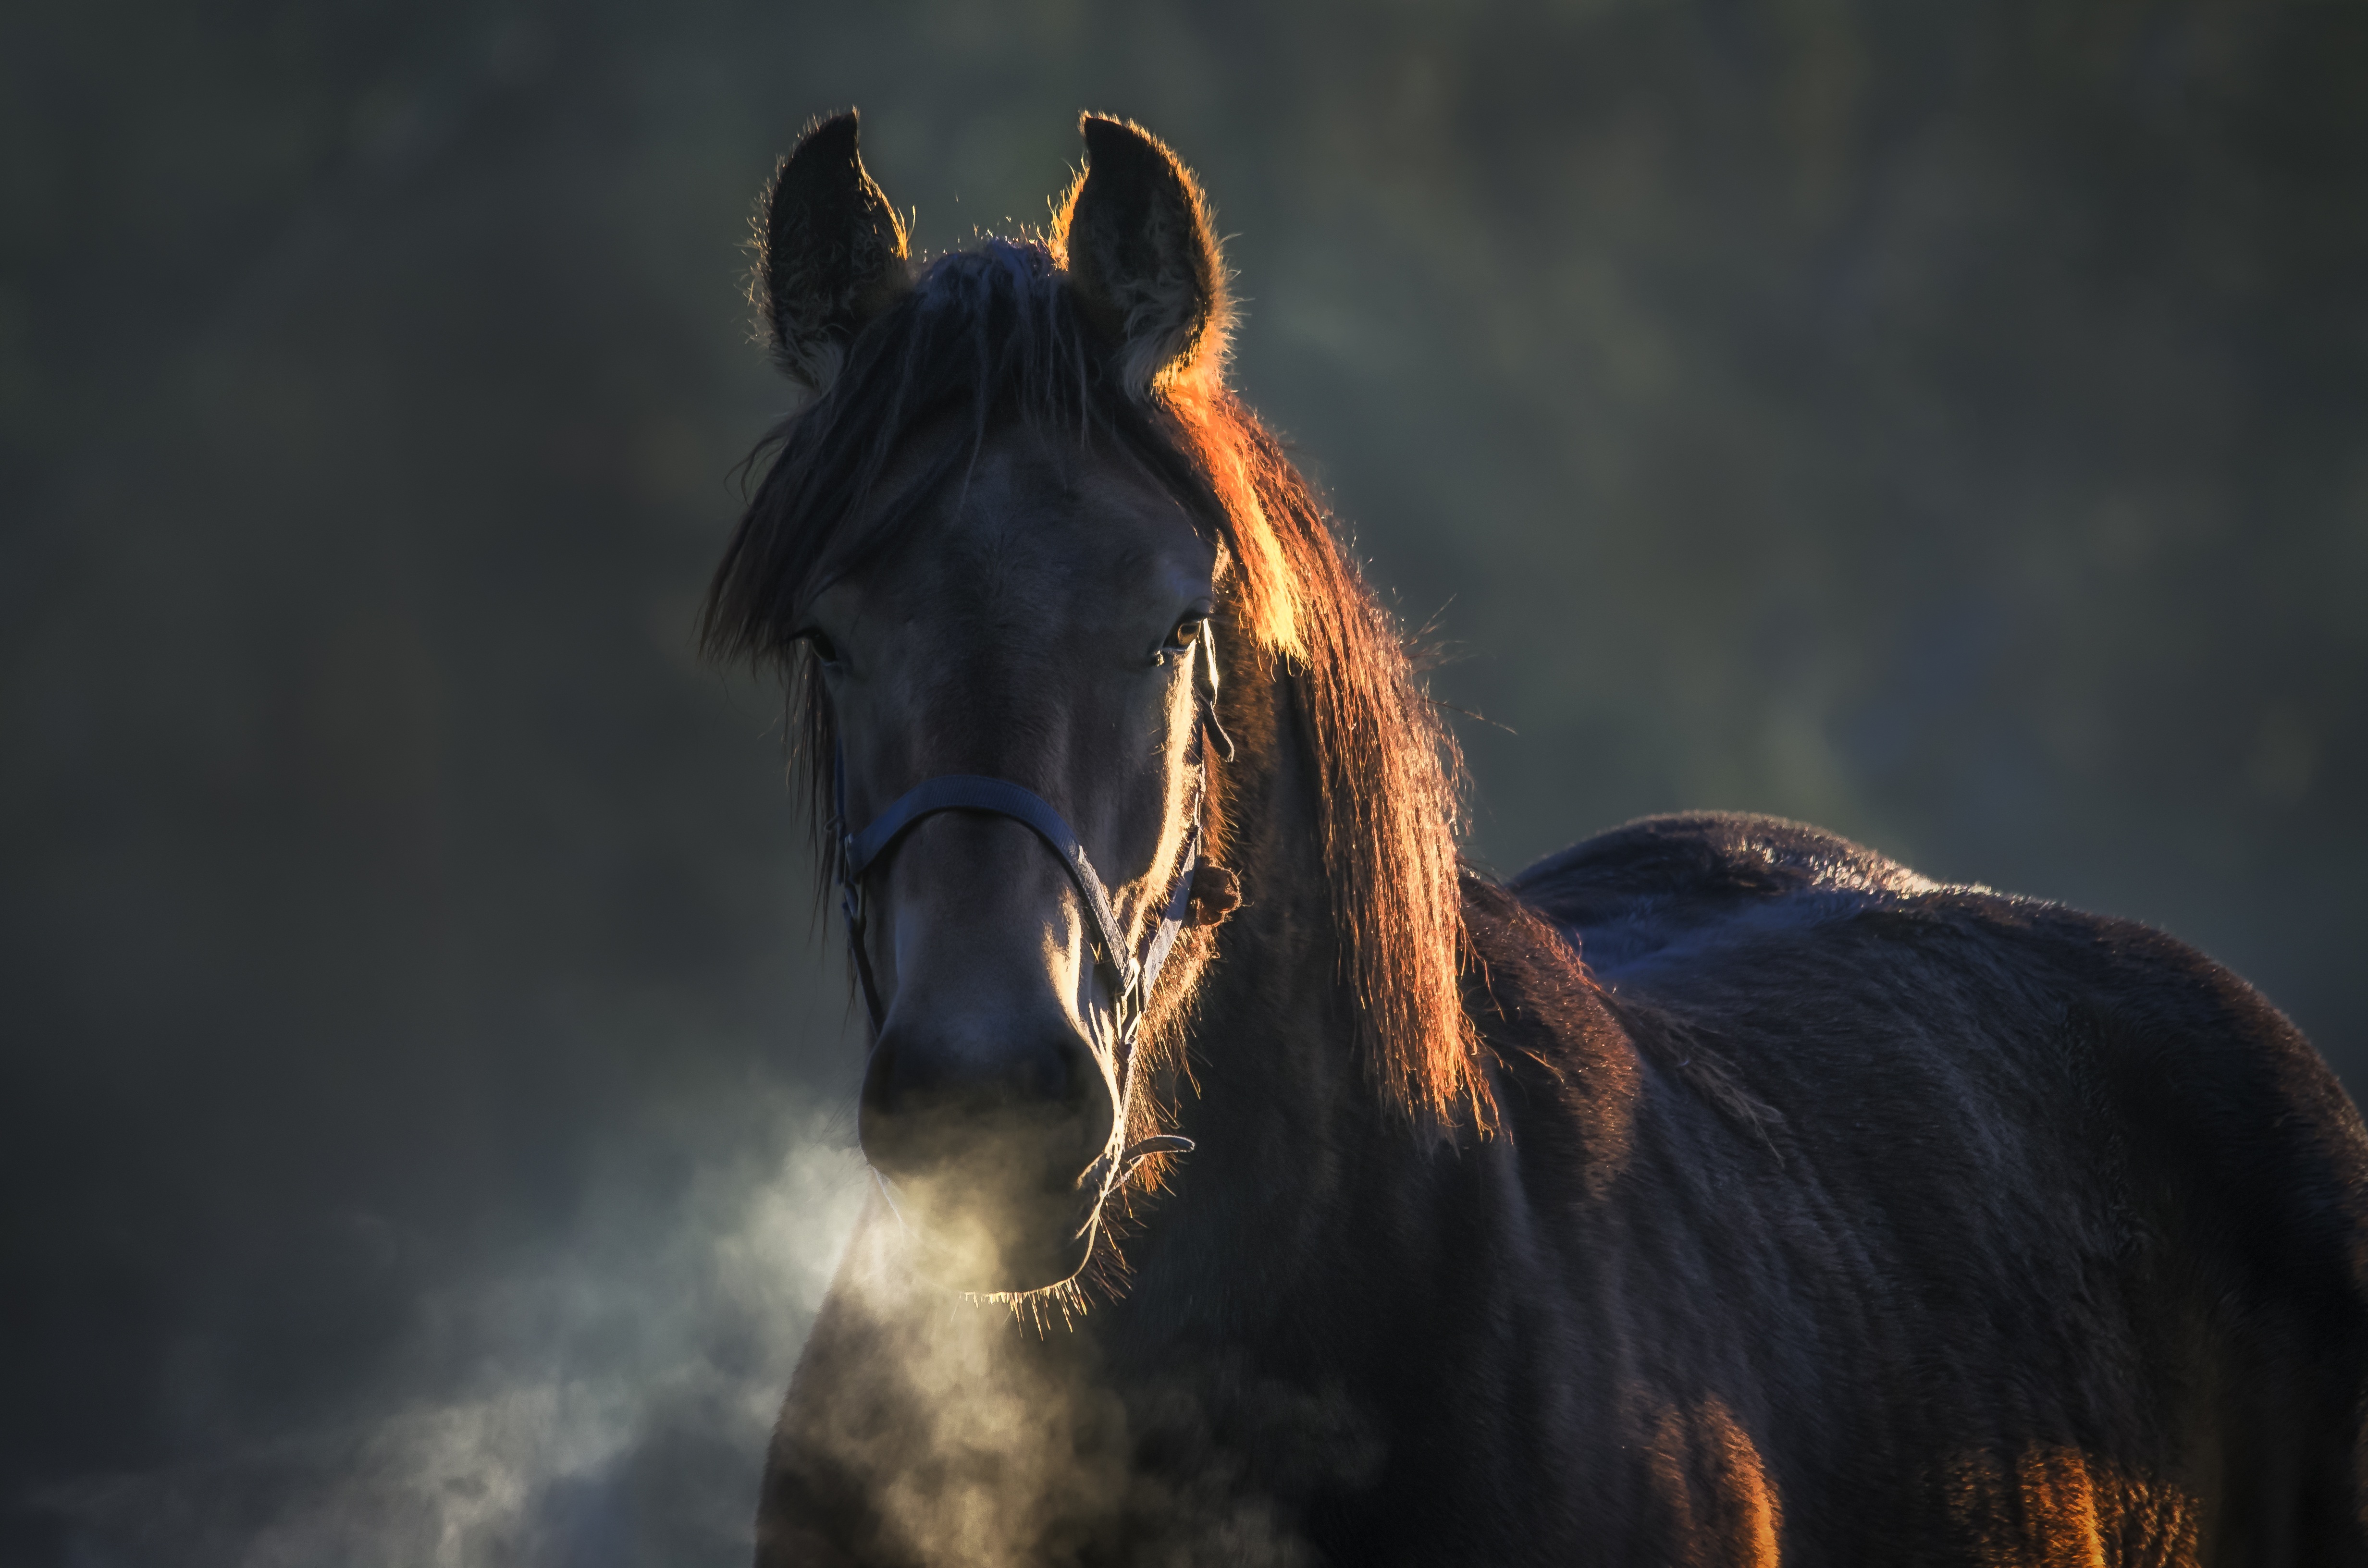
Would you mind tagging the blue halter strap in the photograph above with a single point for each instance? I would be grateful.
(1129, 975)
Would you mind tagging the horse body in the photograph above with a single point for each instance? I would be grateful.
(1757, 1199)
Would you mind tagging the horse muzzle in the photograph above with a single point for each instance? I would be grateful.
(993, 1154)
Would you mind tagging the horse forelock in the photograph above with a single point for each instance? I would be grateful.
(991, 337)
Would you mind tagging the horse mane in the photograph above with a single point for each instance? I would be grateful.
(993, 335)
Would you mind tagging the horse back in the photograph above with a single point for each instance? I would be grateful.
(2011, 1232)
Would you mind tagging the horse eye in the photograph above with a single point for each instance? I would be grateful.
(824, 650)
(1187, 632)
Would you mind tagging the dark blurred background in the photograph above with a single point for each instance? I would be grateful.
(420, 1128)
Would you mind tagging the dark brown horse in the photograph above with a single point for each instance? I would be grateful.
(1716, 1191)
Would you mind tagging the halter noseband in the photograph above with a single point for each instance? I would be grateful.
(1130, 976)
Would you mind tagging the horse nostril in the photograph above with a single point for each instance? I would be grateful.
(912, 1070)
(933, 1095)
(1045, 1076)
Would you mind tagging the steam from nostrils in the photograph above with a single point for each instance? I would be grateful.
(614, 1403)
(989, 1437)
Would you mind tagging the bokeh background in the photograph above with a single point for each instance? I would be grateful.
(420, 1097)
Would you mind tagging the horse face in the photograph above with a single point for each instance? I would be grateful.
(1031, 628)
(1025, 626)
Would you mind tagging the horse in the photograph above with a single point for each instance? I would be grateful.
(1257, 1183)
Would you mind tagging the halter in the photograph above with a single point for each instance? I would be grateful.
(1129, 975)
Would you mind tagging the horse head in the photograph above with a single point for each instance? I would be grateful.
(998, 584)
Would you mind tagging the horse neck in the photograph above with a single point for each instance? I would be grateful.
(1287, 1122)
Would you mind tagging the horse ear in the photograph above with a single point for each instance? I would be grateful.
(830, 252)
(1135, 236)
